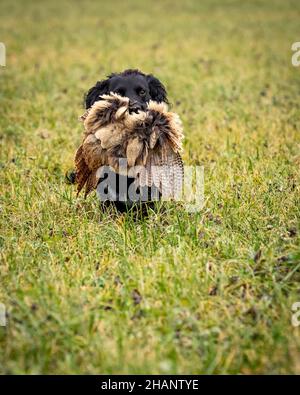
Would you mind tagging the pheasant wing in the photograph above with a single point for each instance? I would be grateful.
(89, 157)
(164, 172)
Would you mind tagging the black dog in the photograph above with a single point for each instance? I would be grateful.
(137, 86)
(140, 89)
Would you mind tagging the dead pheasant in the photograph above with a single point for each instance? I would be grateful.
(149, 140)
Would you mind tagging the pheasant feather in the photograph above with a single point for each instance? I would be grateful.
(150, 141)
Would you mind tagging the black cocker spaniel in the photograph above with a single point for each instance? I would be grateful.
(140, 88)
(132, 83)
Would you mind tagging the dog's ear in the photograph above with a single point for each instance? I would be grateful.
(101, 88)
(157, 90)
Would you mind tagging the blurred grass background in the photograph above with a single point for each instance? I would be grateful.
(210, 292)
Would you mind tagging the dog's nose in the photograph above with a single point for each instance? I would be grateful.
(136, 106)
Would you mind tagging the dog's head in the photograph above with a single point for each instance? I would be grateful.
(137, 86)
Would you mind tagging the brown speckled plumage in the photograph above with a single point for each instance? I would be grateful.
(151, 140)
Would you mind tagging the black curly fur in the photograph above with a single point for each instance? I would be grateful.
(155, 89)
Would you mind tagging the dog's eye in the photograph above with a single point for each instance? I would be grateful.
(142, 92)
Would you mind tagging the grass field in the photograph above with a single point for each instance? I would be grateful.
(177, 292)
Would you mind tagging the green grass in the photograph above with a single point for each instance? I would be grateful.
(209, 292)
